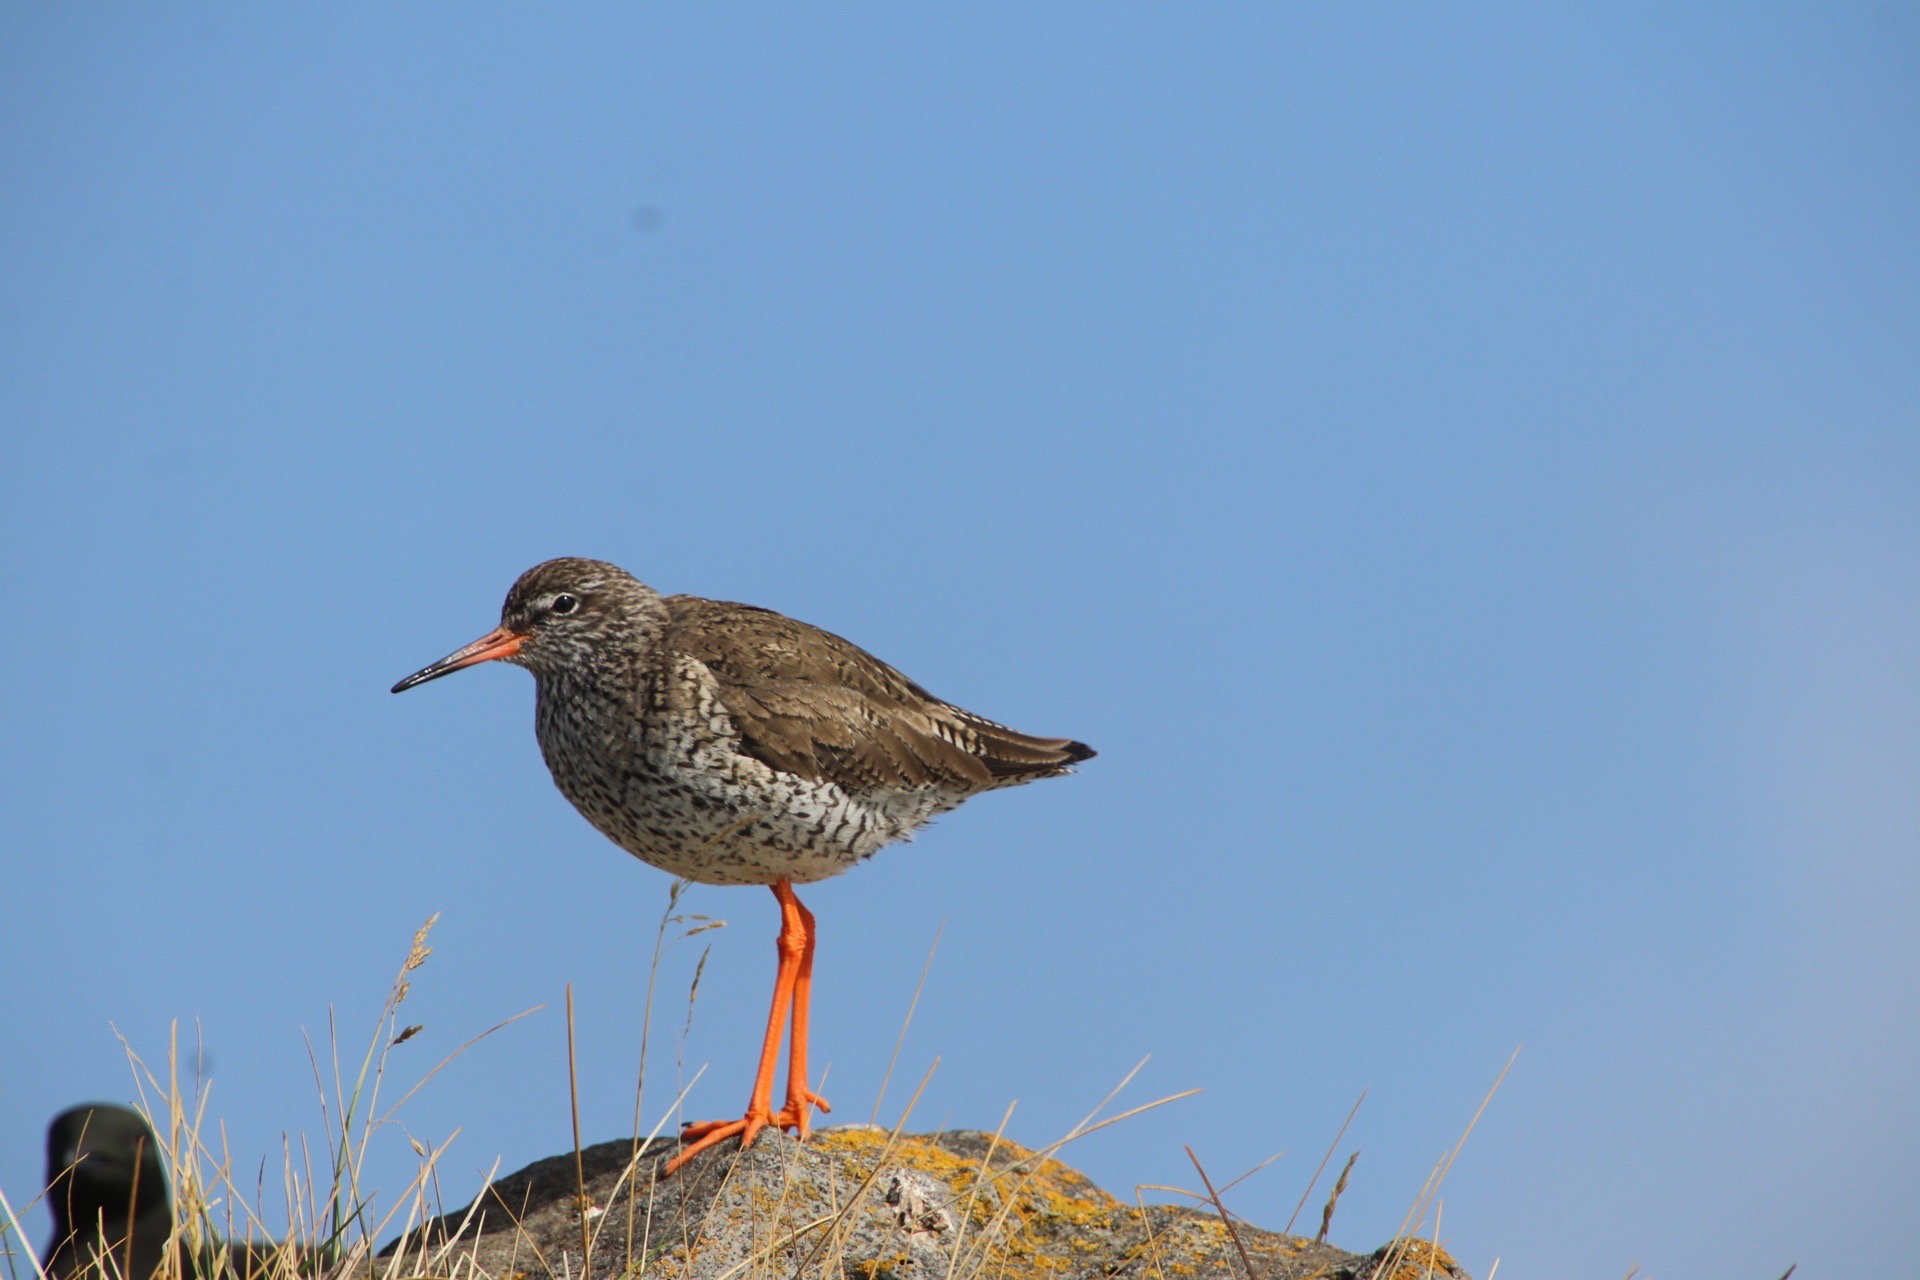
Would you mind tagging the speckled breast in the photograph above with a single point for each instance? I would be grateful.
(676, 791)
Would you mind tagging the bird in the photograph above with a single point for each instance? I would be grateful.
(112, 1214)
(729, 744)
(108, 1194)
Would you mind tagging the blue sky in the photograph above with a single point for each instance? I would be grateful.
(1457, 464)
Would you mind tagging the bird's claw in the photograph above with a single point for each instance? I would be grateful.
(796, 1115)
(707, 1133)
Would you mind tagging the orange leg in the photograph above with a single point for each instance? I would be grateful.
(792, 986)
(801, 1100)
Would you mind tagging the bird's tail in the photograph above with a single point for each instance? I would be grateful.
(1012, 756)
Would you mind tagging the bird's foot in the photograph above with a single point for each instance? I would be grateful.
(798, 1113)
(696, 1138)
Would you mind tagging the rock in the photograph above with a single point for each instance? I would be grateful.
(854, 1202)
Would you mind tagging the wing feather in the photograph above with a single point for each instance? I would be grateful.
(810, 703)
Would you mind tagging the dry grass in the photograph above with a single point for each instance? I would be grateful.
(335, 1224)
(332, 1221)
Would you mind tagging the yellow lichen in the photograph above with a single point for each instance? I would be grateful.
(1420, 1259)
(1018, 1207)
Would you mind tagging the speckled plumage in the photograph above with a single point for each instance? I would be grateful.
(733, 745)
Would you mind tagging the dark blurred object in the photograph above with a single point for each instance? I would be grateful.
(112, 1215)
(108, 1194)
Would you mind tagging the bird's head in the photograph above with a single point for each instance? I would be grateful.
(102, 1158)
(562, 615)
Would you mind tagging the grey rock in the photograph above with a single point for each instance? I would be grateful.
(855, 1202)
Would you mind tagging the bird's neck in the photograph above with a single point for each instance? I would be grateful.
(596, 702)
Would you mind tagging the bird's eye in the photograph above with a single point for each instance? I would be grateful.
(564, 603)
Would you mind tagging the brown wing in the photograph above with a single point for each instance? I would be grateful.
(810, 703)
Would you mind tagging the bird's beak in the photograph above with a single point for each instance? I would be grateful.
(497, 643)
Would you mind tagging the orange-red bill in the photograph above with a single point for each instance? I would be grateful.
(497, 643)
